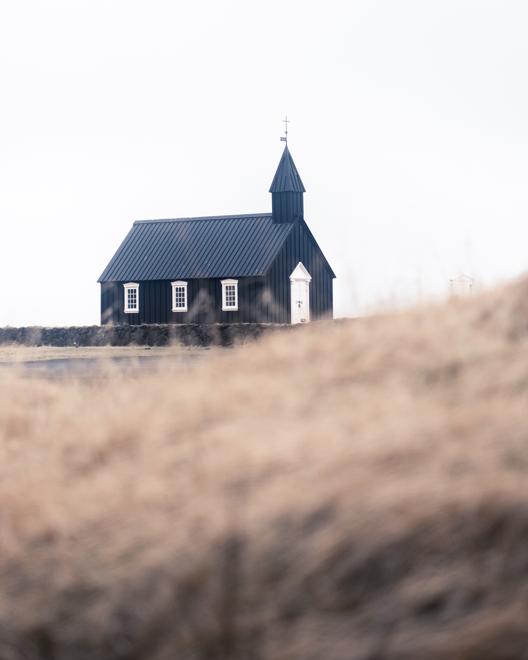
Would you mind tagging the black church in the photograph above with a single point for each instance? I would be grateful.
(263, 267)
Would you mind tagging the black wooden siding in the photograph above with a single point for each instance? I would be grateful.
(260, 299)
(300, 246)
(204, 298)
(287, 206)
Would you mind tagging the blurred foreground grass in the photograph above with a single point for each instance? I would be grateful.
(349, 491)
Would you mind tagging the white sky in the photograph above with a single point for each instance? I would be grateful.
(409, 129)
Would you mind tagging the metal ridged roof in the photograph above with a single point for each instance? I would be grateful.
(188, 248)
(286, 177)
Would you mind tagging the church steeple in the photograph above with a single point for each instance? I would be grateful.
(287, 191)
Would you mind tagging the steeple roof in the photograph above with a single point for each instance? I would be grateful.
(286, 177)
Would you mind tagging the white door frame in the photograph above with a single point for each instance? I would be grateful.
(300, 294)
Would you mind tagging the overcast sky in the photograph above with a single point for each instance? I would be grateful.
(408, 127)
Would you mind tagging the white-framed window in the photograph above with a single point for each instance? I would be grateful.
(179, 296)
(229, 295)
(131, 298)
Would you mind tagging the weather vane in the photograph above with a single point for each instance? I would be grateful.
(285, 121)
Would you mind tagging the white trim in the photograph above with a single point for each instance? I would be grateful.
(300, 294)
(126, 288)
(300, 273)
(174, 285)
(225, 284)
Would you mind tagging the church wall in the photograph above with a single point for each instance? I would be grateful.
(204, 303)
(300, 246)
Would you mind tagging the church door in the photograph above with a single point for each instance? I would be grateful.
(300, 294)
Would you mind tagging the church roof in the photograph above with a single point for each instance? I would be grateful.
(286, 177)
(188, 248)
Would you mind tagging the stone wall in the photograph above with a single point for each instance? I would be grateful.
(139, 335)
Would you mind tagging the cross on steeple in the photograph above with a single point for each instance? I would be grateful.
(285, 121)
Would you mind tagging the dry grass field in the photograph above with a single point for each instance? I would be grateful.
(17, 354)
(355, 491)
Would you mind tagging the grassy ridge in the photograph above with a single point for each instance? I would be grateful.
(354, 491)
